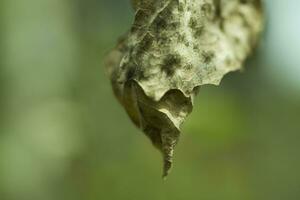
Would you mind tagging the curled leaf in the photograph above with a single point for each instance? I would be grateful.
(174, 47)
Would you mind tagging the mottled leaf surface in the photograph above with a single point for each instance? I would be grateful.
(173, 48)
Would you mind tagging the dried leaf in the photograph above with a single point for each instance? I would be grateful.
(174, 47)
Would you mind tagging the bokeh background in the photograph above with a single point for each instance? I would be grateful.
(63, 135)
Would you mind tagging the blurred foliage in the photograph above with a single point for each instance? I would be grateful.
(64, 136)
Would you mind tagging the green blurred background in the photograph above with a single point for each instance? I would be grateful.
(63, 135)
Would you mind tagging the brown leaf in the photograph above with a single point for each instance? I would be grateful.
(174, 47)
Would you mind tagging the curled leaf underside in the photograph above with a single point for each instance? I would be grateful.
(172, 48)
